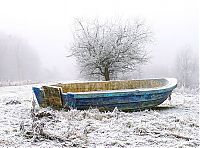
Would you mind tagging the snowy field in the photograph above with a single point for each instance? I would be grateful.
(173, 124)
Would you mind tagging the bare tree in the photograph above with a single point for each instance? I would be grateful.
(187, 67)
(104, 50)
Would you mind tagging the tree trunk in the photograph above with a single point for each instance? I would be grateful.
(107, 74)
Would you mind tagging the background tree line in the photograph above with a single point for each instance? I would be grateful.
(187, 67)
(104, 50)
(18, 61)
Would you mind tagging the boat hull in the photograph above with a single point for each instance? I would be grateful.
(124, 100)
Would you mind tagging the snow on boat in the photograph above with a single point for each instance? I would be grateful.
(126, 95)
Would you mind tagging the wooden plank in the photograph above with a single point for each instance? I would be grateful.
(52, 97)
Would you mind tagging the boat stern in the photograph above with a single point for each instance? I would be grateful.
(49, 96)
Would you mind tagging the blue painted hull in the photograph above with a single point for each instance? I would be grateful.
(125, 100)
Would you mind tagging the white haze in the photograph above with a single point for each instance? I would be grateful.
(47, 26)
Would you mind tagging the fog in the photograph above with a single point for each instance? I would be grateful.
(46, 27)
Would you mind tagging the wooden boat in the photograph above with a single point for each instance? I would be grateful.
(126, 95)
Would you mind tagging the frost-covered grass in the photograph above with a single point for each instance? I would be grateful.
(173, 124)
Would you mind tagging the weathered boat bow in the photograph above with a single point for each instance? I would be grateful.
(126, 95)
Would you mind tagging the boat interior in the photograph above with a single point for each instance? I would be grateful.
(111, 85)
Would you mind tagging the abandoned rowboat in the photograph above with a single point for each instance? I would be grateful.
(126, 95)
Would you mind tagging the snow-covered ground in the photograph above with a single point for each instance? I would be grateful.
(173, 124)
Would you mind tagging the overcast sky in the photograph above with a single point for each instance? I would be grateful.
(47, 25)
